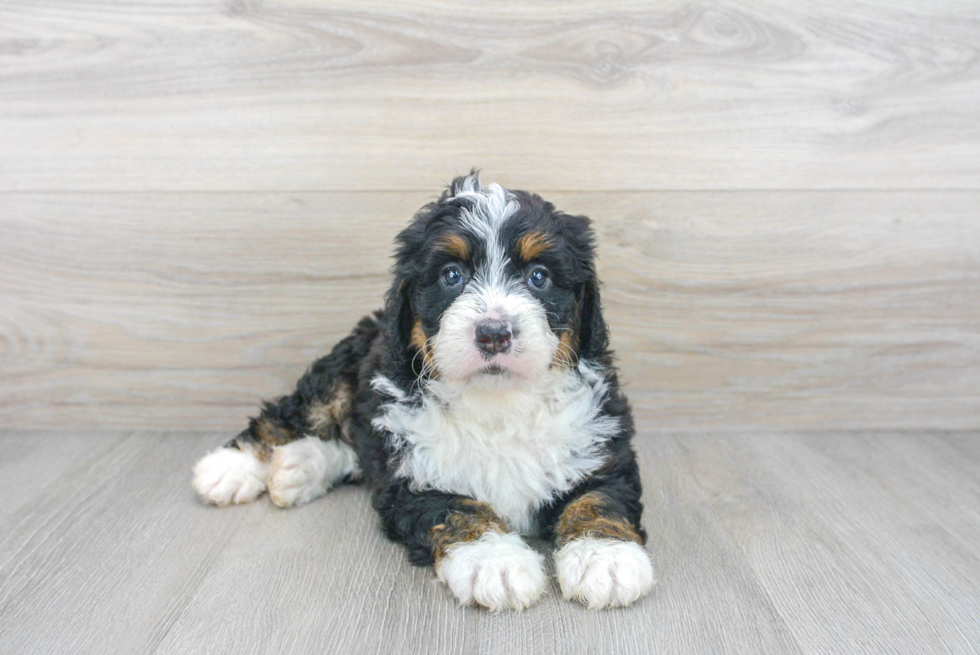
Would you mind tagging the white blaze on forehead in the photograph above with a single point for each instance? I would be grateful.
(491, 206)
(489, 210)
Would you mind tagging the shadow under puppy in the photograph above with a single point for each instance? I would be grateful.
(480, 404)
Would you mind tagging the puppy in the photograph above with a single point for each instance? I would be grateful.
(480, 404)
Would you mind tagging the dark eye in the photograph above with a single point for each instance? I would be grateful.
(452, 276)
(538, 278)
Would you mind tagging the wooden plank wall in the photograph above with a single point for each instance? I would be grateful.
(197, 198)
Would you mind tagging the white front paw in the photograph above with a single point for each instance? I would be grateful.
(604, 572)
(230, 475)
(497, 571)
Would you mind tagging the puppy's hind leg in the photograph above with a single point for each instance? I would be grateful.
(295, 465)
(300, 444)
(308, 468)
(294, 472)
(232, 474)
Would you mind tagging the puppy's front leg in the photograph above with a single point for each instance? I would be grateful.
(474, 553)
(600, 560)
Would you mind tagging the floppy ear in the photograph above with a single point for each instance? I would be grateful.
(593, 333)
(400, 363)
(398, 310)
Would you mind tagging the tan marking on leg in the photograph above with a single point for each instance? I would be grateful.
(532, 244)
(271, 435)
(455, 245)
(588, 516)
(470, 521)
(262, 452)
(324, 415)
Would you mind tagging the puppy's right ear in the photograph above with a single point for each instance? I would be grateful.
(399, 352)
(400, 321)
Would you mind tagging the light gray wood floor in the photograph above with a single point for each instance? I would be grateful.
(766, 542)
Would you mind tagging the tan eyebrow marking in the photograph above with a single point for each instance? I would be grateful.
(532, 245)
(455, 245)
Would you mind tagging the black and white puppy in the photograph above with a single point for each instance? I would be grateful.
(480, 405)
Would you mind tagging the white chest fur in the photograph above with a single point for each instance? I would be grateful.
(513, 449)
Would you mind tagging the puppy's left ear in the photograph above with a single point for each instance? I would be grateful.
(593, 335)
(593, 332)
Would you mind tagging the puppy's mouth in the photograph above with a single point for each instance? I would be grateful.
(493, 369)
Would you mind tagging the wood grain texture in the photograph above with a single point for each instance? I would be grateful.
(106, 557)
(764, 543)
(818, 519)
(728, 309)
(250, 95)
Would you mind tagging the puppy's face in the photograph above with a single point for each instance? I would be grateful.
(497, 283)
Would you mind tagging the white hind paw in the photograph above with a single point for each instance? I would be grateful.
(230, 476)
(307, 469)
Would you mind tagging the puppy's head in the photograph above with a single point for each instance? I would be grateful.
(494, 287)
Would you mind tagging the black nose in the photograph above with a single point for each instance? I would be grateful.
(493, 336)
